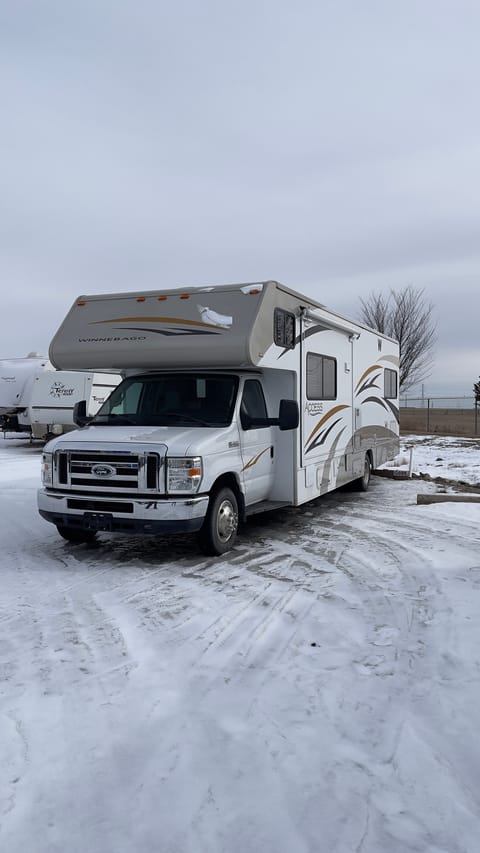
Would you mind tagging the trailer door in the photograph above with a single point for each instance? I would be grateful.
(327, 422)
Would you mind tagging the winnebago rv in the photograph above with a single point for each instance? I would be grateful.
(235, 399)
(38, 400)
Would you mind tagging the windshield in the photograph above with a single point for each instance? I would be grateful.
(171, 399)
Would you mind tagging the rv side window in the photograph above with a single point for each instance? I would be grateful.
(284, 328)
(321, 377)
(253, 401)
(391, 384)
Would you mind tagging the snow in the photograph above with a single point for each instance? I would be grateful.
(450, 458)
(316, 689)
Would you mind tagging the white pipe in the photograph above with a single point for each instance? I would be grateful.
(410, 467)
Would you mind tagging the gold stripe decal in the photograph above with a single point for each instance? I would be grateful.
(176, 320)
(370, 370)
(324, 419)
(254, 459)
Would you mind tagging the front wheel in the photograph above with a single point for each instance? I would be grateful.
(71, 534)
(363, 482)
(219, 529)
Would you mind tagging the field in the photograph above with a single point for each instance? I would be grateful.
(442, 421)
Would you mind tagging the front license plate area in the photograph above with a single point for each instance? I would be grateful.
(97, 521)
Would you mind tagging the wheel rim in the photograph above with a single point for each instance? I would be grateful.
(227, 520)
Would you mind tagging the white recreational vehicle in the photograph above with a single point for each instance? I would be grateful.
(235, 399)
(37, 400)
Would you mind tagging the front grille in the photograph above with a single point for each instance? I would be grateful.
(109, 472)
(99, 506)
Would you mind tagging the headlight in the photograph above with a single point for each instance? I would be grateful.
(183, 475)
(47, 469)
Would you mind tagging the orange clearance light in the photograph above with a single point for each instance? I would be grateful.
(161, 298)
(140, 299)
(81, 302)
(184, 296)
(254, 292)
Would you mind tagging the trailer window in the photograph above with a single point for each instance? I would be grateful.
(391, 386)
(284, 328)
(321, 377)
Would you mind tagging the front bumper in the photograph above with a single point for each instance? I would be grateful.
(122, 515)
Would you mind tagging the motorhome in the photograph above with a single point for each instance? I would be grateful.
(38, 401)
(235, 399)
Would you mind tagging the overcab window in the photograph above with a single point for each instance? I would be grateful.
(321, 377)
(284, 328)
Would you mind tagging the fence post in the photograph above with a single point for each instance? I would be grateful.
(428, 414)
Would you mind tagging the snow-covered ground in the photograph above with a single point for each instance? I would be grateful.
(315, 691)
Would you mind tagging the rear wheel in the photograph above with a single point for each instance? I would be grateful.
(73, 535)
(363, 482)
(219, 529)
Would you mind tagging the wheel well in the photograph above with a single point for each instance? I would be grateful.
(231, 481)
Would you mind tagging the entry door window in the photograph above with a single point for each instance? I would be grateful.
(321, 377)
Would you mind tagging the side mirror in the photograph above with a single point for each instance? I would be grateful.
(288, 417)
(80, 417)
(288, 414)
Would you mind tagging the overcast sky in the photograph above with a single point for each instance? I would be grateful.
(333, 145)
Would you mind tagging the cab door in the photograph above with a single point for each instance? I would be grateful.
(256, 444)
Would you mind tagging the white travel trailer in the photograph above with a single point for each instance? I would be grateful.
(235, 399)
(38, 400)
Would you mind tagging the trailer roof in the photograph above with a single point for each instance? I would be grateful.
(207, 326)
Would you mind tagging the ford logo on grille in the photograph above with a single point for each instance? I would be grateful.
(103, 470)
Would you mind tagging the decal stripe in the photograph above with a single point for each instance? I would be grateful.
(179, 332)
(379, 400)
(386, 404)
(325, 418)
(370, 384)
(306, 334)
(322, 439)
(255, 459)
(369, 370)
(328, 464)
(180, 320)
(395, 409)
(392, 359)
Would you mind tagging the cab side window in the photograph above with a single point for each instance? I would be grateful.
(253, 402)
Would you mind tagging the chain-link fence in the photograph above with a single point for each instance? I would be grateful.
(443, 415)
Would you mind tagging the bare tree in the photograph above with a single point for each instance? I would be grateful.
(476, 391)
(406, 316)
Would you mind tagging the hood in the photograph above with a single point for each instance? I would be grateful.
(178, 441)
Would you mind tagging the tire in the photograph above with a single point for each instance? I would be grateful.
(73, 535)
(363, 482)
(220, 527)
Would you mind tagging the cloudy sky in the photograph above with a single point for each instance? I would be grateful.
(333, 145)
